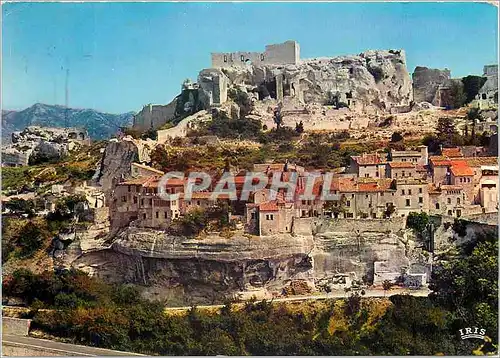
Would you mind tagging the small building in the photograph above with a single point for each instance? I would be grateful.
(368, 165)
(420, 156)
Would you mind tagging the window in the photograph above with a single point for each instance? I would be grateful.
(129, 188)
(367, 175)
(366, 196)
(409, 191)
(150, 201)
(303, 213)
(449, 200)
(395, 175)
(403, 192)
(166, 216)
(468, 180)
(242, 58)
(142, 201)
(437, 206)
(352, 196)
(376, 174)
(420, 200)
(347, 203)
(381, 194)
(225, 58)
(408, 202)
(450, 213)
(409, 174)
(124, 199)
(157, 214)
(459, 213)
(483, 96)
(420, 190)
(458, 200)
(262, 57)
(403, 173)
(349, 215)
(269, 217)
(135, 199)
(252, 215)
(144, 216)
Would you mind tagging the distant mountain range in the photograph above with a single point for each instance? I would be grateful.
(99, 125)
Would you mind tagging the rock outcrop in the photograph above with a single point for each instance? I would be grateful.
(370, 80)
(117, 158)
(39, 144)
(427, 82)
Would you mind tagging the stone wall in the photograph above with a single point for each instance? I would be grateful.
(15, 326)
(278, 54)
(359, 225)
(154, 116)
(181, 129)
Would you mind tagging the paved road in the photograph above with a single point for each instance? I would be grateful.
(337, 294)
(58, 347)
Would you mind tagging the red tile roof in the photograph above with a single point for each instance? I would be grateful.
(139, 181)
(478, 161)
(439, 161)
(268, 206)
(401, 165)
(452, 152)
(368, 159)
(461, 169)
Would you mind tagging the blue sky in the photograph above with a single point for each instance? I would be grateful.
(124, 55)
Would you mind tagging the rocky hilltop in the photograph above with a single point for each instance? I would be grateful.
(370, 80)
(40, 144)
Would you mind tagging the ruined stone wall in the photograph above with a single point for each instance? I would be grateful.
(361, 225)
(282, 54)
(278, 54)
(154, 116)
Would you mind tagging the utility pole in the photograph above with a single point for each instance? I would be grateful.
(66, 99)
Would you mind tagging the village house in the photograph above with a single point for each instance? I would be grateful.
(420, 156)
(368, 165)
(450, 185)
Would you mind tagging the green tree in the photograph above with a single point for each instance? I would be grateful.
(418, 222)
(467, 285)
(473, 116)
(458, 95)
(472, 85)
(446, 131)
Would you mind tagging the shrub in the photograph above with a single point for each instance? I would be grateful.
(418, 223)
(396, 137)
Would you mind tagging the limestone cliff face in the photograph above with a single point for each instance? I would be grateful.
(118, 157)
(372, 79)
(202, 267)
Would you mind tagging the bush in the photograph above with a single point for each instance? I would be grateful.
(418, 223)
(396, 137)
